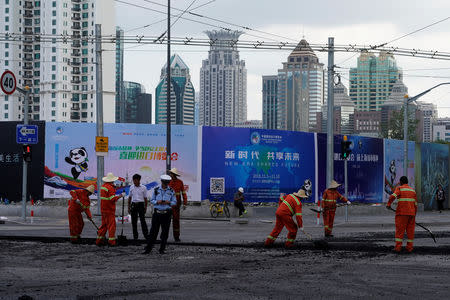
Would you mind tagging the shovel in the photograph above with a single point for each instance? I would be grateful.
(121, 239)
(321, 211)
(92, 221)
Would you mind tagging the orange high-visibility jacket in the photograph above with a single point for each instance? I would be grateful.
(291, 205)
(108, 198)
(407, 200)
(178, 186)
(81, 195)
(330, 197)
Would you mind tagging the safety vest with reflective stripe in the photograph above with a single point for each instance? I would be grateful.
(108, 198)
(85, 202)
(292, 206)
(330, 198)
(178, 186)
(407, 200)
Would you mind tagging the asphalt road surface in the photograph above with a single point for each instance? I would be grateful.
(348, 270)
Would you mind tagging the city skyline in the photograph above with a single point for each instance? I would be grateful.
(358, 27)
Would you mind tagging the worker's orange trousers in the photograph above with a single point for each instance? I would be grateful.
(328, 220)
(403, 223)
(76, 223)
(176, 222)
(108, 224)
(283, 221)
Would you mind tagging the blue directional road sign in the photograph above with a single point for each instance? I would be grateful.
(27, 134)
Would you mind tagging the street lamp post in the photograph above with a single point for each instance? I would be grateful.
(405, 124)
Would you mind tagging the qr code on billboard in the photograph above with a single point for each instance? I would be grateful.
(217, 185)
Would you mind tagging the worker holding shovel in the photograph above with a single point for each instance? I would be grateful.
(329, 200)
(79, 203)
(108, 209)
(405, 215)
(290, 206)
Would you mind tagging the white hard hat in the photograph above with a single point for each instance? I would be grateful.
(241, 189)
(166, 177)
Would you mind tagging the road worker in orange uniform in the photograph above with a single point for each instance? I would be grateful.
(79, 203)
(289, 206)
(405, 215)
(108, 210)
(178, 186)
(329, 200)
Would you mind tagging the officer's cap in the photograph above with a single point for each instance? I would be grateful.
(165, 178)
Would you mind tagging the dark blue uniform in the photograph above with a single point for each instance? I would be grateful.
(162, 216)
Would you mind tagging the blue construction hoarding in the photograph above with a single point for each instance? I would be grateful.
(264, 162)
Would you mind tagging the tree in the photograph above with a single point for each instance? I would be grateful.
(438, 141)
(394, 128)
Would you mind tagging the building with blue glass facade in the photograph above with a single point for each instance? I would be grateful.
(372, 80)
(270, 100)
(301, 90)
(182, 98)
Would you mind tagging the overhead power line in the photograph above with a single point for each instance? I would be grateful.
(206, 23)
(162, 20)
(413, 32)
(225, 22)
(238, 44)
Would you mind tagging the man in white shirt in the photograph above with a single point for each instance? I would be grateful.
(137, 205)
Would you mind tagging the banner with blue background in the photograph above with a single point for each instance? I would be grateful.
(365, 167)
(263, 162)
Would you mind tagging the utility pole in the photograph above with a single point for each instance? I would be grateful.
(346, 188)
(405, 137)
(330, 112)
(26, 102)
(99, 105)
(168, 94)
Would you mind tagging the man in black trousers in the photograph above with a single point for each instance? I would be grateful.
(137, 205)
(163, 199)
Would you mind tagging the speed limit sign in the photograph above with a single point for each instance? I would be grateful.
(8, 82)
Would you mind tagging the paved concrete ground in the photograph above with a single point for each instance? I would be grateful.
(222, 259)
(230, 231)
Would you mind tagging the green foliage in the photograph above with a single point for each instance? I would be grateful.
(441, 142)
(394, 129)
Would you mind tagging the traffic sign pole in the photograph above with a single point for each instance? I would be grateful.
(25, 163)
(8, 84)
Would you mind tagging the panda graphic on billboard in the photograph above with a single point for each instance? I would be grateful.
(78, 157)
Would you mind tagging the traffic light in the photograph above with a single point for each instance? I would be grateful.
(345, 148)
(26, 153)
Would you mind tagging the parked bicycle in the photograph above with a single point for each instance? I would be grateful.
(217, 208)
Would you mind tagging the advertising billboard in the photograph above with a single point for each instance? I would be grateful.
(70, 160)
(434, 171)
(365, 167)
(263, 162)
(393, 165)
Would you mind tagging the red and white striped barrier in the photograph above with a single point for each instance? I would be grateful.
(32, 207)
(318, 214)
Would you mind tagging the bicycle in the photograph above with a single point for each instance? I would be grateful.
(217, 208)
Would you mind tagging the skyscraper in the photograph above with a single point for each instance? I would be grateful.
(344, 111)
(223, 82)
(371, 82)
(137, 104)
(301, 90)
(182, 103)
(270, 100)
(427, 115)
(47, 49)
(120, 100)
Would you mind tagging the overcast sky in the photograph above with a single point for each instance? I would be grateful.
(348, 21)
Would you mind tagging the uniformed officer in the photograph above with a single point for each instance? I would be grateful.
(163, 199)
